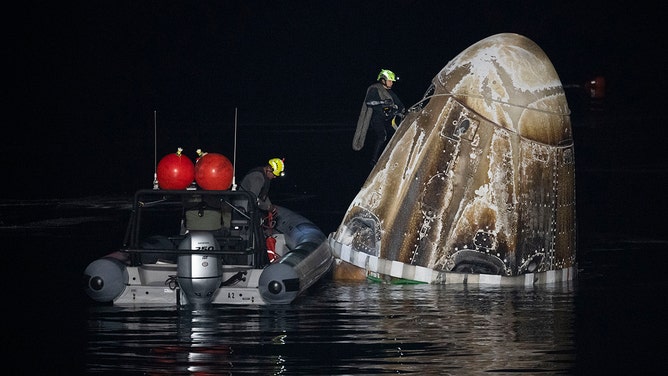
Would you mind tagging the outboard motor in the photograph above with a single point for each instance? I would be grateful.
(199, 275)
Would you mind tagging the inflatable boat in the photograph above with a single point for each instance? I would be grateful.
(196, 246)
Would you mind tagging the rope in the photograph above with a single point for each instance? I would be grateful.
(491, 100)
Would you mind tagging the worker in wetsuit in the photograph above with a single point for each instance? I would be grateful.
(381, 112)
(258, 181)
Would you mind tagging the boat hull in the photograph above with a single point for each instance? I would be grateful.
(215, 257)
(308, 260)
(149, 287)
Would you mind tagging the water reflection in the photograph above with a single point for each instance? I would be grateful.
(340, 328)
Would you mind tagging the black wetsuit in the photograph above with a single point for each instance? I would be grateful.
(377, 97)
(257, 182)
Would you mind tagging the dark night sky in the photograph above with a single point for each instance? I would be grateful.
(87, 76)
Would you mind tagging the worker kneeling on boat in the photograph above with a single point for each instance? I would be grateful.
(258, 181)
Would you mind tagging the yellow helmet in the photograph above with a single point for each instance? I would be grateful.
(388, 75)
(278, 166)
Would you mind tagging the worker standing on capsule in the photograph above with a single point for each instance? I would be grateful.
(478, 184)
(379, 111)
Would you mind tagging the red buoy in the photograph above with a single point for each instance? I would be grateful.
(213, 172)
(175, 171)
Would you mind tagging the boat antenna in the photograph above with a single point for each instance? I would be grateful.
(234, 157)
(155, 150)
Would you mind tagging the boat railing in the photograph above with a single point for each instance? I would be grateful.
(233, 249)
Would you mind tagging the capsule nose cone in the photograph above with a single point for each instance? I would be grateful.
(509, 80)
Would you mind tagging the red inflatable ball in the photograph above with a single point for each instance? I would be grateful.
(175, 171)
(213, 172)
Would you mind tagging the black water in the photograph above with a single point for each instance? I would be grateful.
(348, 329)
(609, 321)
